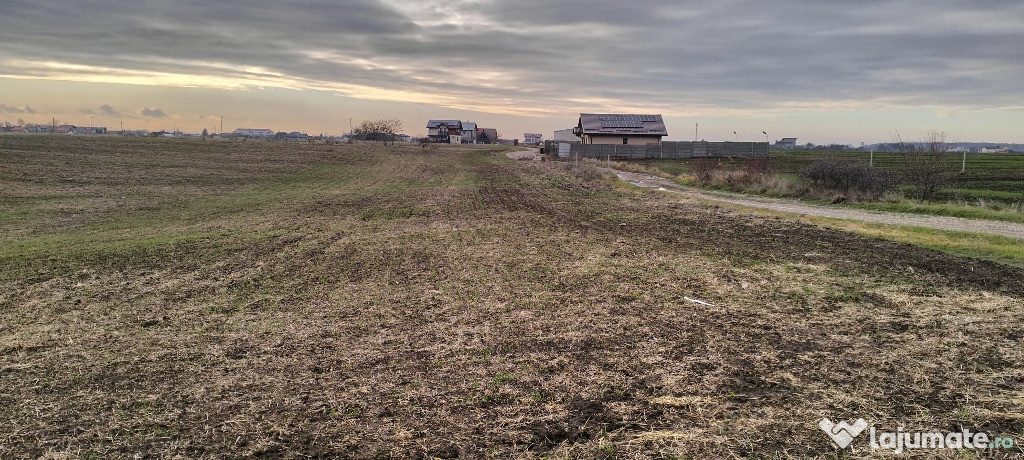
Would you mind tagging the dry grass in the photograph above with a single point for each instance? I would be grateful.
(357, 301)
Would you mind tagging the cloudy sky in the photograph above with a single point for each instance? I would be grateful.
(852, 71)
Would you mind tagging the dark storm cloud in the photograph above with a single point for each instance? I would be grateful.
(109, 111)
(9, 109)
(152, 112)
(565, 55)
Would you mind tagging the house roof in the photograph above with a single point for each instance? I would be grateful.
(468, 126)
(622, 124)
(448, 123)
(532, 135)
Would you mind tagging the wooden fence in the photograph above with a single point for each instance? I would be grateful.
(684, 149)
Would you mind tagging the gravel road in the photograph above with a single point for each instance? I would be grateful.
(994, 227)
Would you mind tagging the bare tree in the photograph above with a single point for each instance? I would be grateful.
(383, 130)
(926, 166)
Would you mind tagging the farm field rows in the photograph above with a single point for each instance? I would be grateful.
(252, 299)
(988, 176)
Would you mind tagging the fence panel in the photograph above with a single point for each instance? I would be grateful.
(670, 150)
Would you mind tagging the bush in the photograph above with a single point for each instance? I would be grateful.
(758, 167)
(704, 168)
(848, 177)
(926, 165)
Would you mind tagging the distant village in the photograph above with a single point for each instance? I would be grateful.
(628, 129)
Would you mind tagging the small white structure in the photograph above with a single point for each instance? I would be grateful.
(260, 133)
(565, 135)
(532, 138)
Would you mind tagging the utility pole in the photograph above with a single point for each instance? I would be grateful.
(222, 123)
(695, 135)
(963, 166)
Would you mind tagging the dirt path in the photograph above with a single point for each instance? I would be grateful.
(533, 154)
(1008, 229)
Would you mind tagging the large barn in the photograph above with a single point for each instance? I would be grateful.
(627, 129)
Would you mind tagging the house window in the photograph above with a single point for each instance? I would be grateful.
(625, 140)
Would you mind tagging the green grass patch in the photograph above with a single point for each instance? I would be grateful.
(989, 247)
(943, 209)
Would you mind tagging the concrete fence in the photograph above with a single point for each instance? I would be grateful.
(683, 149)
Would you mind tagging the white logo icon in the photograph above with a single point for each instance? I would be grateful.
(843, 433)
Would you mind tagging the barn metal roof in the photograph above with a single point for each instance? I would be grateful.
(618, 124)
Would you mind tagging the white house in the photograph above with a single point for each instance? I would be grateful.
(444, 131)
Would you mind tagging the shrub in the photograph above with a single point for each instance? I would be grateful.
(704, 168)
(758, 167)
(848, 177)
(926, 166)
(755, 171)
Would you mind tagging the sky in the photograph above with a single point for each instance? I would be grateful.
(847, 72)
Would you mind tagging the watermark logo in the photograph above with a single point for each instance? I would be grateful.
(843, 433)
(899, 441)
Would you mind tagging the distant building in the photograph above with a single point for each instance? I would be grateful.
(469, 132)
(81, 130)
(995, 150)
(532, 138)
(490, 135)
(612, 128)
(39, 128)
(444, 131)
(565, 135)
(258, 133)
(786, 143)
